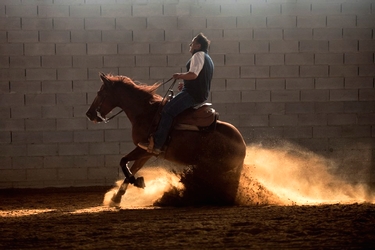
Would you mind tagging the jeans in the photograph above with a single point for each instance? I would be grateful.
(179, 103)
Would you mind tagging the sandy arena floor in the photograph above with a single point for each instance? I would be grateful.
(75, 218)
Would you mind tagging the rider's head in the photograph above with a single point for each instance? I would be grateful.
(202, 41)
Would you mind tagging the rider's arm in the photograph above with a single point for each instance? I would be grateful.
(185, 76)
(196, 65)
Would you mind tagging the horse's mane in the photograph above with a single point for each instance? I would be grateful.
(149, 90)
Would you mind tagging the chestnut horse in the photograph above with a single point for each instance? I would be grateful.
(223, 147)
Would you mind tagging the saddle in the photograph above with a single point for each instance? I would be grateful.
(200, 117)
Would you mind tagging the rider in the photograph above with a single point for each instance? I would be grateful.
(194, 91)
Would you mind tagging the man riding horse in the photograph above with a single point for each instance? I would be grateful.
(211, 143)
(194, 91)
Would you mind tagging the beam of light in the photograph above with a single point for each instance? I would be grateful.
(24, 212)
(31, 212)
(90, 210)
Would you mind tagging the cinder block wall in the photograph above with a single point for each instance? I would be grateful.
(300, 71)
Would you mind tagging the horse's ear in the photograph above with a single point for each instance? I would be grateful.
(104, 78)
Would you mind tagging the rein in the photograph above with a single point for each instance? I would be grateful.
(163, 83)
(170, 89)
(106, 120)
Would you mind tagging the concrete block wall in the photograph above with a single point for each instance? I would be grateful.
(286, 70)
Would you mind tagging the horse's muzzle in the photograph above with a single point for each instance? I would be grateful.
(92, 115)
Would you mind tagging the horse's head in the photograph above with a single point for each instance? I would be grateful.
(104, 101)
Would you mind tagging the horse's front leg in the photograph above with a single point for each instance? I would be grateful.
(140, 157)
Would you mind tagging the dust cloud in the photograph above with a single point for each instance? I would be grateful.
(158, 181)
(300, 177)
(283, 175)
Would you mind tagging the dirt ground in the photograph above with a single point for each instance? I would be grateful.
(74, 218)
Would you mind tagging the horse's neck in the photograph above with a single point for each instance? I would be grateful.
(141, 114)
(142, 125)
(138, 114)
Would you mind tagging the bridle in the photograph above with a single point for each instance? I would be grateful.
(105, 95)
(98, 114)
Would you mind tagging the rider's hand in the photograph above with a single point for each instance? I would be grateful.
(176, 76)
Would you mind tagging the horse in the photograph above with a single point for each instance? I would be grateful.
(221, 147)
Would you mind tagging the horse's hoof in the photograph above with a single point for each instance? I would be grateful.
(114, 204)
(115, 201)
(116, 198)
(139, 182)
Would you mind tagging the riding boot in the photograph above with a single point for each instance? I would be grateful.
(149, 147)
